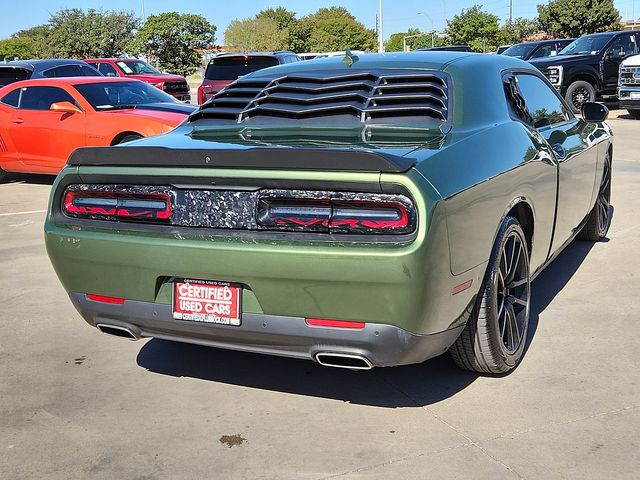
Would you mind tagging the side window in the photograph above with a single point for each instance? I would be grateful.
(623, 45)
(12, 98)
(88, 71)
(543, 51)
(64, 71)
(41, 98)
(107, 70)
(542, 104)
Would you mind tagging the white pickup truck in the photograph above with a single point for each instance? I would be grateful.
(629, 85)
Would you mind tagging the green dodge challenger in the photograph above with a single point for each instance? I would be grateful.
(367, 211)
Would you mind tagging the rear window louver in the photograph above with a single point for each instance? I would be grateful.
(367, 97)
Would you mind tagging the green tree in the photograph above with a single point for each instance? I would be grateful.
(173, 39)
(37, 36)
(335, 28)
(474, 27)
(72, 32)
(20, 48)
(256, 35)
(517, 30)
(286, 22)
(572, 18)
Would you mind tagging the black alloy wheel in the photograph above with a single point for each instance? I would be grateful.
(578, 93)
(493, 341)
(599, 219)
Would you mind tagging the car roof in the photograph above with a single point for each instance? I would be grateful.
(44, 64)
(113, 60)
(255, 54)
(69, 81)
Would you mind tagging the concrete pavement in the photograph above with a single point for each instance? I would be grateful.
(78, 404)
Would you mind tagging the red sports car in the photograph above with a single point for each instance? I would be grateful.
(42, 121)
(174, 85)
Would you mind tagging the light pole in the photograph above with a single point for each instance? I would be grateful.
(380, 31)
(433, 30)
(404, 39)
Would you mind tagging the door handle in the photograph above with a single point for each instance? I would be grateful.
(17, 120)
(559, 151)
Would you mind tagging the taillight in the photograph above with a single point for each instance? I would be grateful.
(200, 94)
(204, 93)
(336, 216)
(117, 205)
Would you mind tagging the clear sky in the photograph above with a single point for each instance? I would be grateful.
(398, 14)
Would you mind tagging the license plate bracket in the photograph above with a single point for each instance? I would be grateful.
(207, 301)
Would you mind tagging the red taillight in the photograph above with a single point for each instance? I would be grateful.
(200, 94)
(336, 216)
(204, 93)
(105, 299)
(323, 322)
(117, 204)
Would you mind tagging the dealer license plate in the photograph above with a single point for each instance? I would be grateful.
(635, 95)
(207, 301)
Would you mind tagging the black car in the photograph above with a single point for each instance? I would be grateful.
(588, 67)
(541, 49)
(27, 69)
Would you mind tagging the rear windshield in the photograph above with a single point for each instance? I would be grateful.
(9, 75)
(230, 68)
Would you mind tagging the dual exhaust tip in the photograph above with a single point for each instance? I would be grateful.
(349, 361)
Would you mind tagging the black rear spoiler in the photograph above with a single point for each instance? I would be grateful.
(256, 157)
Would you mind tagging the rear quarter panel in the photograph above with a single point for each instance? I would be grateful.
(480, 177)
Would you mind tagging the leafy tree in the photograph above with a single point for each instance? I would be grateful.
(173, 39)
(286, 22)
(572, 18)
(21, 48)
(37, 36)
(474, 27)
(517, 30)
(335, 28)
(72, 32)
(256, 35)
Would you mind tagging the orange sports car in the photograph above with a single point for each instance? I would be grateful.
(42, 121)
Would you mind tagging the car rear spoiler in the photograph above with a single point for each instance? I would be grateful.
(256, 157)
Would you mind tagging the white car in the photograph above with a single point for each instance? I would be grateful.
(629, 85)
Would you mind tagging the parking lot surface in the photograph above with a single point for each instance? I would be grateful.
(75, 403)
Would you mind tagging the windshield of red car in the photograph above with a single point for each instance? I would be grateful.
(136, 67)
(232, 67)
(117, 95)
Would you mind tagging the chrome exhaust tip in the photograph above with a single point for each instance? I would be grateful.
(116, 331)
(344, 360)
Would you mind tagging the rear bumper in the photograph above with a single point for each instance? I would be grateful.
(383, 345)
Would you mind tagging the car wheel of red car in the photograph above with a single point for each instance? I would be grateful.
(494, 338)
(3, 174)
(128, 138)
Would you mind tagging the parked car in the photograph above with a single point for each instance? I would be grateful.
(629, 85)
(447, 48)
(43, 121)
(174, 85)
(588, 67)
(539, 49)
(27, 69)
(379, 226)
(227, 67)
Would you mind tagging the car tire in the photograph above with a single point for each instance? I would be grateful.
(599, 220)
(494, 338)
(634, 113)
(128, 138)
(3, 175)
(578, 93)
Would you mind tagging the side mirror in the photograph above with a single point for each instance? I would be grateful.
(594, 112)
(64, 107)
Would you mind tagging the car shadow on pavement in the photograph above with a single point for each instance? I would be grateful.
(31, 178)
(407, 386)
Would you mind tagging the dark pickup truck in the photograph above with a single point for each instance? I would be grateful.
(587, 68)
